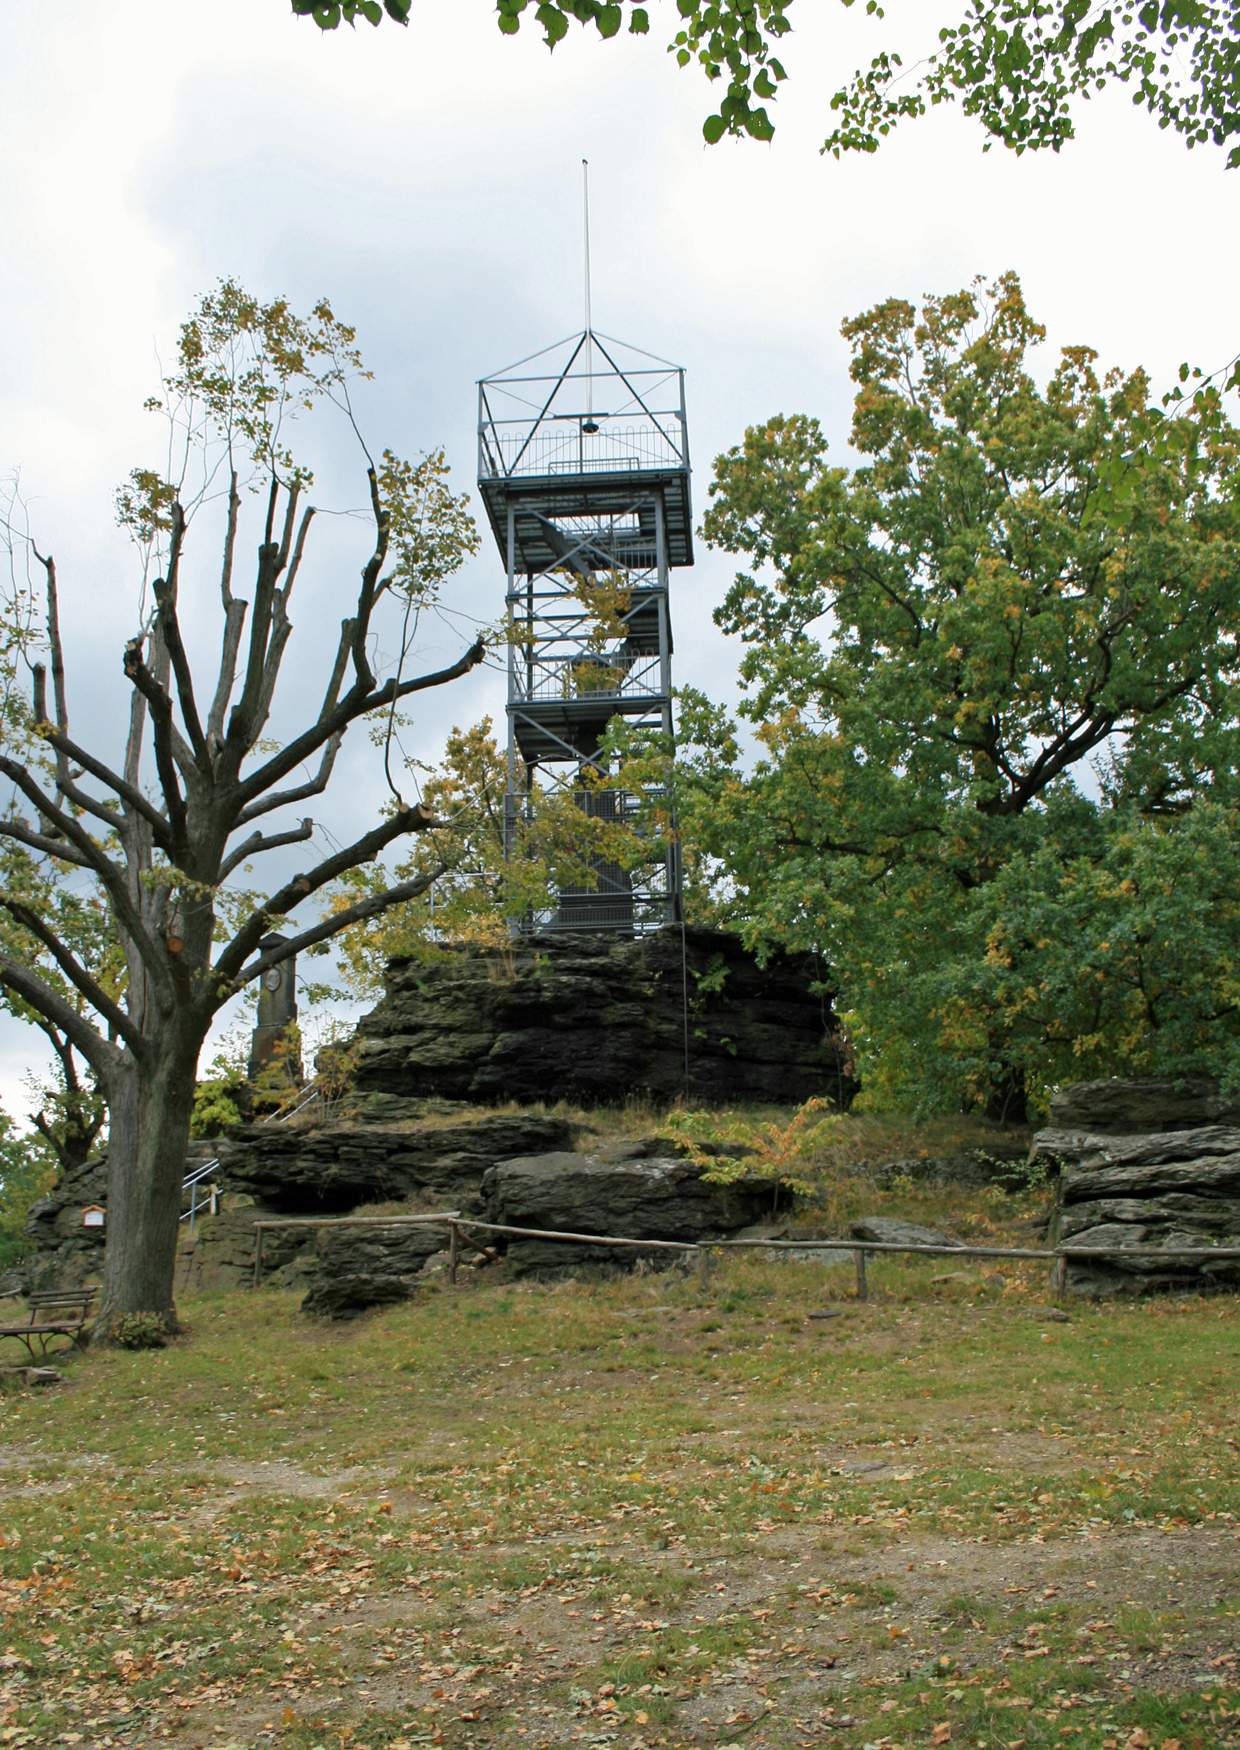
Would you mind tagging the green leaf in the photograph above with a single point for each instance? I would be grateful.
(554, 24)
(713, 129)
(639, 21)
(608, 20)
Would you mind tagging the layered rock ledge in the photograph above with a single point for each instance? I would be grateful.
(599, 1020)
(436, 1156)
(1147, 1167)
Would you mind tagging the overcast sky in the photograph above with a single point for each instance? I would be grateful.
(428, 182)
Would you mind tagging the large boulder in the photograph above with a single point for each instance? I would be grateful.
(357, 1268)
(599, 1018)
(219, 1254)
(1145, 1193)
(631, 1191)
(330, 1168)
(889, 1230)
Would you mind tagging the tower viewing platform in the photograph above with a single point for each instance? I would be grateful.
(583, 467)
(581, 424)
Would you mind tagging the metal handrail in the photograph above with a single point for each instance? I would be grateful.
(529, 448)
(569, 677)
(208, 1169)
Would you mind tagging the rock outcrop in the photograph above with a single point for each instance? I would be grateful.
(637, 1190)
(335, 1167)
(419, 1154)
(599, 1019)
(219, 1254)
(65, 1254)
(461, 1159)
(1147, 1167)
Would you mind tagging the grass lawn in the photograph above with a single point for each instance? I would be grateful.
(650, 1511)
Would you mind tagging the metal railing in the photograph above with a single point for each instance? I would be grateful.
(587, 677)
(205, 1174)
(561, 444)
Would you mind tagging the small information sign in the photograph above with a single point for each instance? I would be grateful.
(93, 1215)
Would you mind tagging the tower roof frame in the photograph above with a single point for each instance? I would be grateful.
(597, 418)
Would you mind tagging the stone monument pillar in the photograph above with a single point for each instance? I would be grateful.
(277, 1010)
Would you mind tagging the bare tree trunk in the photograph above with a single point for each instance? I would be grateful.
(1007, 1100)
(147, 1142)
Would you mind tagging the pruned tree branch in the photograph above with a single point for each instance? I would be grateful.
(163, 731)
(240, 733)
(292, 894)
(102, 1056)
(335, 720)
(363, 674)
(257, 843)
(234, 622)
(170, 629)
(299, 793)
(58, 736)
(55, 643)
(74, 754)
(341, 920)
(91, 855)
(83, 982)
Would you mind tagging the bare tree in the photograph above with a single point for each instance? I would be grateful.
(197, 792)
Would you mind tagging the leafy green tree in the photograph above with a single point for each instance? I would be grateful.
(221, 1096)
(198, 792)
(992, 674)
(1018, 66)
(27, 1169)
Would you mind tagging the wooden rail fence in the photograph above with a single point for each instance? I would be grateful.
(461, 1226)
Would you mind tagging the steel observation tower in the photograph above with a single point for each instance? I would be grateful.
(583, 466)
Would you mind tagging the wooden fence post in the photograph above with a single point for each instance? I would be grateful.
(862, 1287)
(454, 1244)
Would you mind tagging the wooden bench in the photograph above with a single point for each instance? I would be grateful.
(54, 1312)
